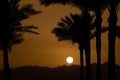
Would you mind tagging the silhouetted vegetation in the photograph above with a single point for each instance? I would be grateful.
(113, 7)
(98, 6)
(76, 28)
(73, 28)
(11, 32)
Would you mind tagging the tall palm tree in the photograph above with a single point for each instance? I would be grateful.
(73, 28)
(99, 9)
(11, 31)
(98, 6)
(87, 32)
(113, 6)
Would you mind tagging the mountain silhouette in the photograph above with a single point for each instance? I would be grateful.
(59, 73)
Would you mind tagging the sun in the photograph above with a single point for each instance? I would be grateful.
(69, 60)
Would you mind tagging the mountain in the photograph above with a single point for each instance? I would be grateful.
(59, 73)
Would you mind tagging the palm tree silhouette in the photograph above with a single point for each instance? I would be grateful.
(12, 31)
(113, 7)
(87, 32)
(98, 6)
(99, 9)
(73, 28)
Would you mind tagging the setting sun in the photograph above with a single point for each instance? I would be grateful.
(69, 60)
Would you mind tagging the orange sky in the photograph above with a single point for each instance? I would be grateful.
(44, 49)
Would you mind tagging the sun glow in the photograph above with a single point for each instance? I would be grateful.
(69, 60)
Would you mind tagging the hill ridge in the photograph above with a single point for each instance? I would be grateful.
(64, 72)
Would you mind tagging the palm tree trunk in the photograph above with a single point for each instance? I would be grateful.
(87, 44)
(5, 38)
(81, 63)
(88, 66)
(98, 43)
(112, 38)
(7, 72)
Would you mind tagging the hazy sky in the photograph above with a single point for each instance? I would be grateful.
(44, 49)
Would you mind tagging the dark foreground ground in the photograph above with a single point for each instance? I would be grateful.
(58, 73)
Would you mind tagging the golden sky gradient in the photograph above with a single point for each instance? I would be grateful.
(44, 49)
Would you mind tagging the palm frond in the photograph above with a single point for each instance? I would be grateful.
(70, 28)
(103, 30)
(17, 41)
(28, 29)
(86, 4)
(16, 38)
(62, 34)
(12, 29)
(67, 21)
(28, 10)
(62, 25)
(14, 3)
(49, 2)
(14, 42)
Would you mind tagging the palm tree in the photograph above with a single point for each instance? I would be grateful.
(74, 28)
(98, 6)
(87, 32)
(12, 31)
(99, 9)
(113, 6)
